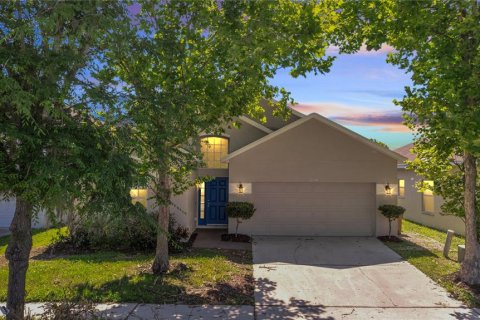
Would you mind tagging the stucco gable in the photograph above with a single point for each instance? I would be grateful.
(321, 121)
(274, 123)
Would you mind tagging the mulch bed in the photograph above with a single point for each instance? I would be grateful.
(236, 238)
(389, 239)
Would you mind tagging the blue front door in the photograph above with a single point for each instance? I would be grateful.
(216, 198)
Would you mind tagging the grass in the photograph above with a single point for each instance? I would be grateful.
(434, 234)
(431, 261)
(40, 238)
(210, 276)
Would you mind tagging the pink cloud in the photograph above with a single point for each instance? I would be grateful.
(388, 120)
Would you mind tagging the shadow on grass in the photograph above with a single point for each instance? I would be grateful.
(167, 289)
(183, 284)
(408, 249)
(240, 257)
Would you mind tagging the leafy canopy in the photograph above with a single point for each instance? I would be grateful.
(438, 43)
(53, 147)
(190, 67)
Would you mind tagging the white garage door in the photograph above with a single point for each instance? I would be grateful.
(317, 209)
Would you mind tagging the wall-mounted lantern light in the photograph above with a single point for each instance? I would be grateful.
(240, 188)
(388, 190)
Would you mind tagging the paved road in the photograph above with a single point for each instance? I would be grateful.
(344, 278)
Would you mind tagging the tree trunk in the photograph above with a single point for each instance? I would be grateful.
(470, 270)
(161, 262)
(17, 254)
(236, 227)
(389, 228)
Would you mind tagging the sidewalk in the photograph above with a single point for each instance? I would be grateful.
(161, 312)
(133, 311)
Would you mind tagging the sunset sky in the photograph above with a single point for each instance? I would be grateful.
(357, 93)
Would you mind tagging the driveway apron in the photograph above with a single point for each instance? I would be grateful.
(344, 278)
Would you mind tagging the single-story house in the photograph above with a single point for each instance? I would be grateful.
(306, 176)
(422, 207)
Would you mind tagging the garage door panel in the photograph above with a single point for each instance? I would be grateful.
(327, 209)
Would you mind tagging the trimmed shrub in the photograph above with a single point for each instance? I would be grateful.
(392, 212)
(240, 211)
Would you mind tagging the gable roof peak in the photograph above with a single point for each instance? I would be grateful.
(323, 120)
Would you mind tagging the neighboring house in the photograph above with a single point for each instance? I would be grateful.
(422, 207)
(305, 176)
(7, 210)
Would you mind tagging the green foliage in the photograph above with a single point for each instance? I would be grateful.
(190, 67)
(105, 277)
(130, 230)
(240, 211)
(237, 209)
(54, 151)
(380, 143)
(187, 68)
(437, 43)
(391, 211)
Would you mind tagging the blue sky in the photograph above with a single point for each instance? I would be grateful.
(357, 93)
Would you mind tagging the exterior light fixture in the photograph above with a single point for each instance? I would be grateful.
(240, 188)
(388, 190)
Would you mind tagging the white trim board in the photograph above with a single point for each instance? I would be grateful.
(255, 124)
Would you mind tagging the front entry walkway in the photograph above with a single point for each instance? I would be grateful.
(211, 239)
(344, 278)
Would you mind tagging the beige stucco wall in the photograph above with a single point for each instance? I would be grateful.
(312, 152)
(184, 208)
(412, 202)
(240, 137)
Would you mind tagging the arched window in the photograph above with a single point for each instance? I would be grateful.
(139, 195)
(214, 149)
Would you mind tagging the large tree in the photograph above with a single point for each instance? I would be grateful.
(438, 42)
(190, 67)
(53, 148)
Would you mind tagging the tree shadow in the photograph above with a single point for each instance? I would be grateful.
(412, 249)
(465, 314)
(272, 308)
(241, 257)
(149, 288)
(179, 285)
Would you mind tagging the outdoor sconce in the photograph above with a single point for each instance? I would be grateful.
(388, 190)
(240, 188)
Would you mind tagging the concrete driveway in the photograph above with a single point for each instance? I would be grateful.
(344, 278)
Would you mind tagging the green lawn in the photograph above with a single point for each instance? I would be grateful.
(432, 262)
(41, 238)
(434, 234)
(211, 276)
